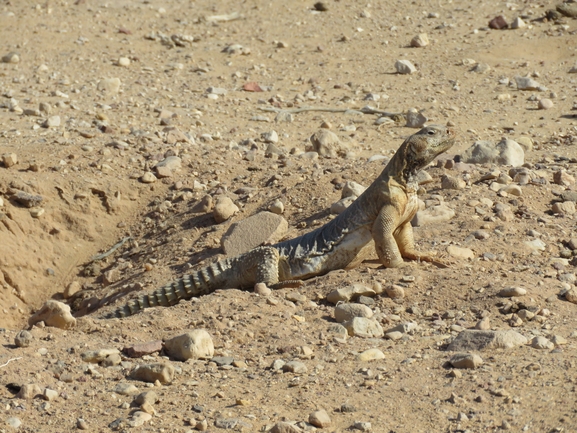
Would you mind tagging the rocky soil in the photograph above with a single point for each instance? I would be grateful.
(134, 135)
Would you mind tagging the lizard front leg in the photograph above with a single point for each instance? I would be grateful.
(406, 243)
(383, 234)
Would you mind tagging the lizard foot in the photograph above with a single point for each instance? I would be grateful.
(425, 257)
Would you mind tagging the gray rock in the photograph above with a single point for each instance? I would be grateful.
(364, 327)
(109, 85)
(419, 41)
(23, 339)
(415, 119)
(13, 422)
(326, 143)
(509, 292)
(162, 372)
(96, 356)
(404, 328)
(262, 228)
(149, 397)
(285, 427)
(472, 339)
(224, 208)
(195, 344)
(168, 166)
(29, 391)
(506, 152)
(320, 419)
(345, 312)
(433, 215)
(296, 367)
(349, 293)
(27, 199)
(125, 389)
(9, 159)
(405, 67)
(371, 355)
(341, 205)
(54, 313)
(542, 343)
(527, 83)
(148, 177)
(352, 189)
(466, 360)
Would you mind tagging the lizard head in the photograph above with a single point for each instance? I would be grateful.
(424, 146)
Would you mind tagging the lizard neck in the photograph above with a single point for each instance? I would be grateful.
(403, 168)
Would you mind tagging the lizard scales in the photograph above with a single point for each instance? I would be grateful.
(380, 218)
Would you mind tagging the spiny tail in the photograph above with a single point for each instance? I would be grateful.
(201, 282)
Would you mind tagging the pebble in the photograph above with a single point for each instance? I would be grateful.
(512, 291)
(262, 289)
(277, 207)
(52, 122)
(138, 418)
(109, 85)
(167, 166)
(195, 344)
(54, 313)
(97, 356)
(419, 41)
(470, 339)
(296, 367)
(433, 215)
(371, 355)
(451, 182)
(345, 312)
(352, 189)
(326, 143)
(270, 137)
(395, 291)
(149, 397)
(224, 208)
(320, 419)
(518, 23)
(364, 327)
(81, 424)
(545, 104)
(162, 372)
(460, 253)
(125, 389)
(484, 324)
(566, 207)
(71, 289)
(9, 159)
(498, 23)
(362, 426)
(148, 177)
(527, 83)
(29, 391)
(123, 61)
(23, 339)
(285, 427)
(13, 422)
(139, 350)
(405, 67)
(415, 119)
(571, 295)
(540, 342)
(263, 228)
(466, 360)
(37, 212)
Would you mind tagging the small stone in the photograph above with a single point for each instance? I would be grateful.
(167, 166)
(97, 356)
(81, 424)
(345, 312)
(277, 207)
(484, 324)
(262, 289)
(52, 122)
(11, 58)
(571, 296)
(460, 253)
(263, 228)
(415, 119)
(362, 426)
(542, 343)
(352, 189)
(54, 313)
(466, 360)
(109, 85)
(124, 61)
(270, 137)
(162, 372)
(470, 339)
(9, 159)
(512, 291)
(451, 182)
(481, 68)
(138, 418)
(395, 291)
(371, 355)
(498, 23)
(405, 67)
(433, 215)
(364, 327)
(224, 208)
(125, 389)
(148, 177)
(195, 344)
(545, 104)
(518, 23)
(527, 83)
(13, 422)
(296, 367)
(394, 335)
(285, 427)
(566, 207)
(29, 391)
(320, 419)
(149, 397)
(71, 289)
(23, 339)
(321, 6)
(139, 350)
(419, 41)
(326, 143)
(561, 177)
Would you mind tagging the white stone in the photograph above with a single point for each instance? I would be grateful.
(371, 355)
(405, 67)
(195, 344)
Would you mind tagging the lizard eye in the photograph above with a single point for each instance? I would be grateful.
(431, 132)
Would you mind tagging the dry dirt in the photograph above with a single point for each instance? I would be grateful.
(88, 171)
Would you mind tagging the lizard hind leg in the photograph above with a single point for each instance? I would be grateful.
(263, 265)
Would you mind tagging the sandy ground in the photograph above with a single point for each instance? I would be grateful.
(101, 91)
